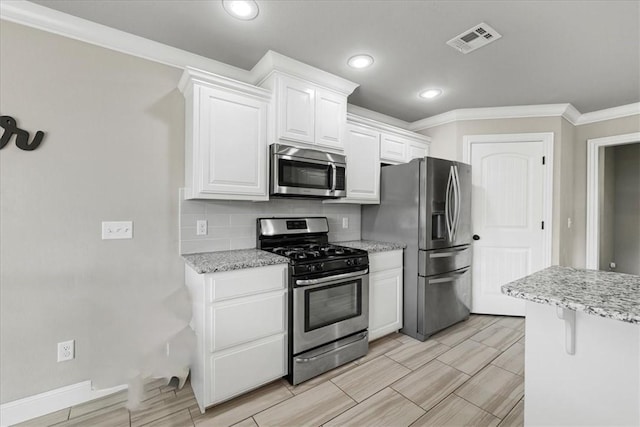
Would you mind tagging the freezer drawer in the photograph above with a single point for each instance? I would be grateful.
(439, 261)
(446, 299)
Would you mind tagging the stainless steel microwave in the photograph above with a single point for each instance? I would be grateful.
(301, 172)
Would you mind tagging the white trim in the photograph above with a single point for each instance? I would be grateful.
(378, 117)
(609, 113)
(51, 401)
(547, 138)
(384, 127)
(567, 111)
(518, 111)
(593, 215)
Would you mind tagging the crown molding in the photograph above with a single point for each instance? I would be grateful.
(518, 111)
(379, 117)
(192, 75)
(566, 111)
(40, 17)
(387, 128)
(609, 113)
(274, 61)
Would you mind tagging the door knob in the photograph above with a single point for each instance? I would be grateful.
(476, 237)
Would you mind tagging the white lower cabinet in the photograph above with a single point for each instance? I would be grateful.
(240, 321)
(385, 293)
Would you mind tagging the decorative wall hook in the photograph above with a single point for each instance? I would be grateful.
(11, 128)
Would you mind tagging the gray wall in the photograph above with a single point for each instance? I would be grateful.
(113, 150)
(232, 224)
(626, 221)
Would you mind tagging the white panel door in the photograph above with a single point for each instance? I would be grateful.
(507, 215)
(363, 164)
(231, 124)
(330, 119)
(296, 111)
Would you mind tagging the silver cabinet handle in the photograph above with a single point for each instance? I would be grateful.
(308, 282)
(361, 336)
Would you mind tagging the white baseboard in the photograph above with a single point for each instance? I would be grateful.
(51, 401)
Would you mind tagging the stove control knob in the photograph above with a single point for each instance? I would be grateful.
(349, 262)
(356, 261)
(313, 268)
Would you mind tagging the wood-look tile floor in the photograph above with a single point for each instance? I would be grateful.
(469, 374)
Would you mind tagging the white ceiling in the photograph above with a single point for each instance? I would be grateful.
(586, 53)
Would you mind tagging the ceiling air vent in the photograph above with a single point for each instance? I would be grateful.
(474, 38)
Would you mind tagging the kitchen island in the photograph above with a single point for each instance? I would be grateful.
(582, 347)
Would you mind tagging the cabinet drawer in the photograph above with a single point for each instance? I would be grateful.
(385, 260)
(246, 319)
(232, 284)
(234, 372)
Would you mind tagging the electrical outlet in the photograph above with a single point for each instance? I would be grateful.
(569, 222)
(66, 350)
(345, 222)
(117, 230)
(201, 227)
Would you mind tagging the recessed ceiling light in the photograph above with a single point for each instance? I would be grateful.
(360, 61)
(430, 93)
(241, 9)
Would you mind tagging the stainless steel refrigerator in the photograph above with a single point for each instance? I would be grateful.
(426, 204)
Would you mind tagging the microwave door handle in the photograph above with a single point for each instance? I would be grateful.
(334, 177)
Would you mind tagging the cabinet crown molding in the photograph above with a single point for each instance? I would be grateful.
(274, 62)
(384, 127)
(193, 75)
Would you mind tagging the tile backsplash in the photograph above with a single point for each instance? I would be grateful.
(232, 224)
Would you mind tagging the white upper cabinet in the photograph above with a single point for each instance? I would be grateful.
(226, 138)
(331, 117)
(296, 111)
(362, 147)
(401, 149)
(417, 150)
(307, 113)
(393, 148)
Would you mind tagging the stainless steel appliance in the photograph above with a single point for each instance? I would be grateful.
(426, 204)
(301, 172)
(328, 295)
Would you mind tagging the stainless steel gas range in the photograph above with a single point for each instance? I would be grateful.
(328, 295)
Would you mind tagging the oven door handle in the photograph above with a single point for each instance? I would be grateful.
(308, 282)
(361, 336)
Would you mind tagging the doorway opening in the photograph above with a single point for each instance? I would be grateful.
(613, 203)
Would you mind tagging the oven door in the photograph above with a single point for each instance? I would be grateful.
(329, 308)
(291, 176)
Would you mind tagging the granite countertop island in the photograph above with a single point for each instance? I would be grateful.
(582, 347)
(600, 293)
(212, 262)
(372, 246)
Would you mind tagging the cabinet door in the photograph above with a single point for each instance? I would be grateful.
(231, 157)
(246, 367)
(393, 148)
(330, 119)
(296, 110)
(363, 164)
(417, 151)
(385, 302)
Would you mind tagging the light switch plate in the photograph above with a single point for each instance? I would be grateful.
(117, 230)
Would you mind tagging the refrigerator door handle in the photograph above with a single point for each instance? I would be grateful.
(456, 194)
(447, 277)
(447, 205)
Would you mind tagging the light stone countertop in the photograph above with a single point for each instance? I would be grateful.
(372, 246)
(211, 262)
(600, 293)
